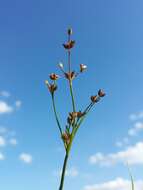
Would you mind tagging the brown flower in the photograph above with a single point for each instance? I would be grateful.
(101, 93)
(80, 114)
(94, 98)
(69, 44)
(53, 76)
(52, 87)
(82, 67)
(66, 137)
(72, 116)
(70, 75)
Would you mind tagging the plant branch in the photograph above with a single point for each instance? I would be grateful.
(63, 171)
(56, 116)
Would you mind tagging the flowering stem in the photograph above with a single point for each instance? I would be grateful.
(64, 171)
(72, 96)
(56, 116)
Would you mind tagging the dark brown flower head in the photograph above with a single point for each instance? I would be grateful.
(95, 98)
(72, 116)
(82, 67)
(80, 114)
(70, 31)
(53, 76)
(66, 137)
(69, 44)
(52, 87)
(101, 93)
(70, 75)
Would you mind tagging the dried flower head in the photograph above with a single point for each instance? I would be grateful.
(54, 76)
(80, 114)
(82, 67)
(52, 87)
(95, 98)
(70, 75)
(69, 44)
(66, 137)
(101, 93)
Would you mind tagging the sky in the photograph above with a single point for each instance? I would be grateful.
(109, 40)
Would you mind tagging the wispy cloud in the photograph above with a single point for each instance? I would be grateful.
(117, 184)
(136, 116)
(1, 156)
(26, 158)
(138, 127)
(18, 103)
(71, 172)
(4, 94)
(2, 141)
(133, 155)
(13, 141)
(5, 108)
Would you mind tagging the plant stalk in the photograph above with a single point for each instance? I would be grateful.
(64, 171)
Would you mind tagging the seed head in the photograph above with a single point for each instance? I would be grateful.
(70, 75)
(94, 99)
(53, 76)
(69, 44)
(82, 67)
(101, 93)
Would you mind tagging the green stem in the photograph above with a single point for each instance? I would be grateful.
(56, 116)
(72, 96)
(63, 171)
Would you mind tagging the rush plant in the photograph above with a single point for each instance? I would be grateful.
(76, 117)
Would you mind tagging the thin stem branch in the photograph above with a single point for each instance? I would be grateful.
(63, 171)
(56, 116)
(72, 96)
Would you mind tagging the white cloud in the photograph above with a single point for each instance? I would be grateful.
(5, 108)
(13, 141)
(136, 116)
(2, 130)
(132, 155)
(117, 184)
(136, 129)
(123, 142)
(5, 94)
(27, 158)
(72, 172)
(18, 103)
(2, 141)
(1, 156)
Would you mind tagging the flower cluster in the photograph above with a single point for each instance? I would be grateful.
(74, 118)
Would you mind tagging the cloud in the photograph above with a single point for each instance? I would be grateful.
(4, 94)
(13, 141)
(71, 172)
(5, 108)
(117, 184)
(3, 130)
(136, 116)
(138, 127)
(27, 158)
(123, 142)
(1, 156)
(133, 155)
(18, 103)
(2, 141)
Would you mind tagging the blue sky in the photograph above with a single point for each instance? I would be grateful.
(109, 41)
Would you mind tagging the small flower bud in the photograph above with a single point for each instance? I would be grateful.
(82, 67)
(101, 93)
(66, 137)
(70, 31)
(69, 44)
(70, 75)
(61, 65)
(94, 98)
(53, 76)
(80, 114)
